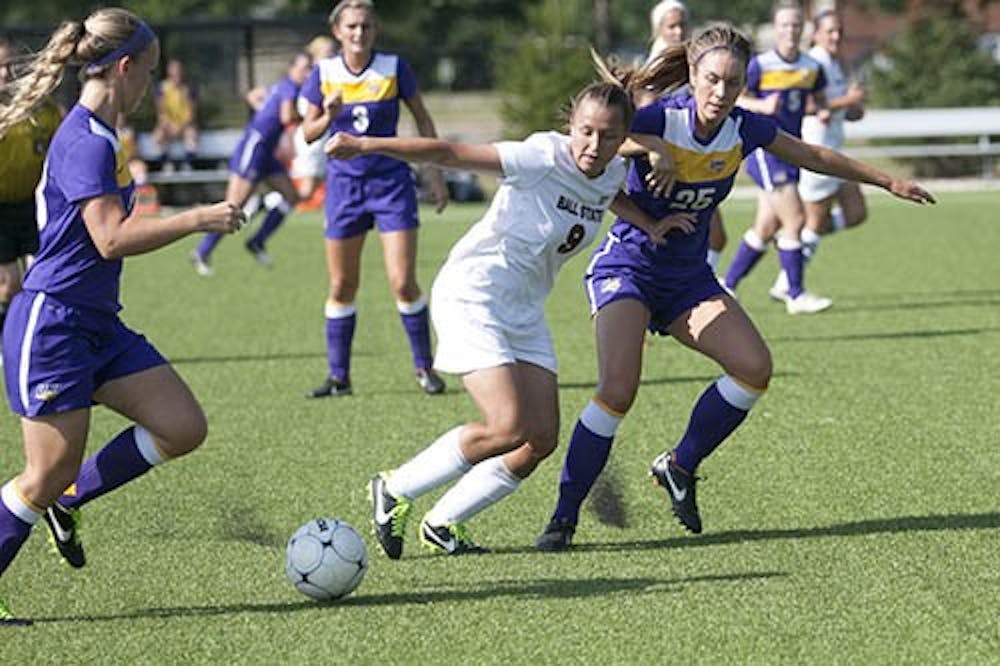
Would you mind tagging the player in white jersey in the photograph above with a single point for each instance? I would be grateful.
(820, 192)
(488, 307)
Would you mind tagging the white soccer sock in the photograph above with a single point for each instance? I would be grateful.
(754, 241)
(481, 487)
(600, 420)
(838, 222)
(17, 504)
(439, 463)
(713, 259)
(809, 237)
(276, 200)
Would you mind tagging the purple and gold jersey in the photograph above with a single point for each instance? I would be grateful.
(768, 73)
(267, 119)
(705, 173)
(371, 104)
(85, 161)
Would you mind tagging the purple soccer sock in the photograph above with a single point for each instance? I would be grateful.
(416, 321)
(712, 420)
(791, 262)
(339, 336)
(14, 528)
(743, 262)
(120, 461)
(207, 245)
(273, 220)
(585, 459)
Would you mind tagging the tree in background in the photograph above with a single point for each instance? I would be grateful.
(540, 69)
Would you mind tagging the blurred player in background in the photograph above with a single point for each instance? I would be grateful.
(780, 83)
(65, 348)
(176, 115)
(359, 91)
(309, 164)
(254, 162)
(670, 23)
(820, 193)
(489, 308)
(22, 153)
(634, 285)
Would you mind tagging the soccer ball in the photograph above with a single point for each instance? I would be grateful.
(326, 559)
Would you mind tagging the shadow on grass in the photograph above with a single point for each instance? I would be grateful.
(897, 335)
(656, 381)
(903, 524)
(554, 588)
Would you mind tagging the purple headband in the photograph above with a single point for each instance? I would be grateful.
(142, 37)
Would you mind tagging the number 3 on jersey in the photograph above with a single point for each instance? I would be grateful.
(693, 198)
(361, 119)
(573, 238)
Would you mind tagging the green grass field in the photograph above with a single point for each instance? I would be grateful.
(854, 518)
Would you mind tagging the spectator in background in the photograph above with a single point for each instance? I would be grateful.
(309, 165)
(22, 152)
(176, 115)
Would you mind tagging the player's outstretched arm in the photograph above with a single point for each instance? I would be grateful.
(478, 157)
(823, 160)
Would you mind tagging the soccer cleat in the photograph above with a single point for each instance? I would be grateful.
(64, 534)
(9, 619)
(330, 388)
(557, 536)
(259, 254)
(779, 290)
(429, 381)
(451, 539)
(725, 287)
(389, 516)
(680, 486)
(201, 265)
(807, 303)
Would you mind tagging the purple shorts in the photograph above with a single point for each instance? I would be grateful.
(355, 204)
(254, 158)
(56, 355)
(769, 172)
(612, 277)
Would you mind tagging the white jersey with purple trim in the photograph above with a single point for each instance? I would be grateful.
(545, 211)
(831, 133)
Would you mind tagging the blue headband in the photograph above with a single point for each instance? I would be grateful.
(142, 37)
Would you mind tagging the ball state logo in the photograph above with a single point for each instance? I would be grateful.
(47, 391)
(716, 165)
(611, 285)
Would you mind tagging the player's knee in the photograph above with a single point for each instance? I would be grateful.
(44, 483)
(404, 288)
(755, 370)
(187, 433)
(506, 434)
(343, 289)
(618, 393)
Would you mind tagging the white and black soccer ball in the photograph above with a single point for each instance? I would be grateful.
(326, 559)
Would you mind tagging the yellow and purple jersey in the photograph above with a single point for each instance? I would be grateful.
(85, 161)
(705, 171)
(770, 74)
(22, 153)
(370, 104)
(177, 101)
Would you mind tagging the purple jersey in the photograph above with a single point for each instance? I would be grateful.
(267, 119)
(768, 74)
(371, 104)
(85, 161)
(705, 173)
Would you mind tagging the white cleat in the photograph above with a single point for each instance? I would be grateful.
(722, 283)
(779, 290)
(201, 266)
(807, 303)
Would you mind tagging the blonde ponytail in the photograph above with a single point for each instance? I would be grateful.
(42, 75)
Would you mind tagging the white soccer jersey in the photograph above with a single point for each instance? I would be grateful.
(544, 212)
(831, 133)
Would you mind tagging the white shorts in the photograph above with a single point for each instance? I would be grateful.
(470, 337)
(310, 160)
(814, 187)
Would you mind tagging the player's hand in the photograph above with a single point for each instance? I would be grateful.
(342, 146)
(439, 190)
(772, 104)
(661, 177)
(224, 217)
(683, 222)
(333, 102)
(911, 191)
(855, 95)
(823, 115)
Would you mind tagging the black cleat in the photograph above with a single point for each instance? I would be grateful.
(557, 536)
(260, 255)
(680, 486)
(64, 533)
(451, 539)
(429, 381)
(330, 388)
(388, 518)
